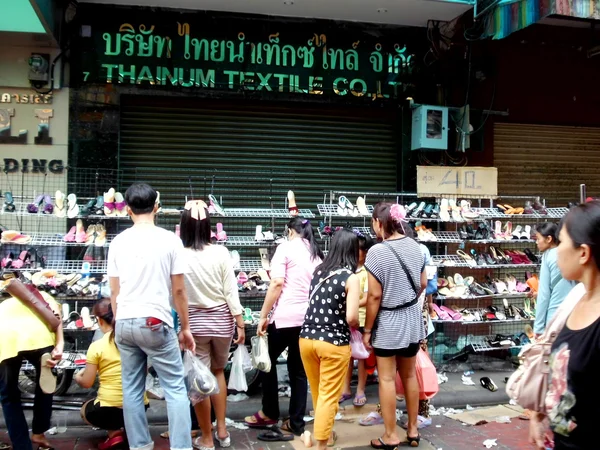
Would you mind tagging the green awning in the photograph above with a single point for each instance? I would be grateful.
(19, 16)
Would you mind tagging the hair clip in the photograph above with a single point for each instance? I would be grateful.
(305, 221)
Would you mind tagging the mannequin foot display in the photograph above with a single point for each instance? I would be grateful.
(120, 205)
(216, 206)
(221, 235)
(292, 207)
(109, 203)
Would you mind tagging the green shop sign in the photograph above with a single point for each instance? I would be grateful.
(198, 50)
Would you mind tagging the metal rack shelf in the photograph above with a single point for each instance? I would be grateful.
(483, 322)
(56, 240)
(485, 347)
(264, 212)
(331, 210)
(244, 241)
(481, 297)
(457, 261)
(249, 265)
(67, 267)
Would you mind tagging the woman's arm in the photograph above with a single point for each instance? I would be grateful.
(352, 295)
(543, 298)
(272, 296)
(86, 377)
(423, 282)
(232, 298)
(373, 303)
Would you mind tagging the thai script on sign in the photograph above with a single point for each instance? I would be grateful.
(190, 61)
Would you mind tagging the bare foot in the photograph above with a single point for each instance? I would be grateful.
(40, 439)
(307, 439)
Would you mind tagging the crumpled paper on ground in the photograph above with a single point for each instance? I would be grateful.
(443, 411)
(489, 443)
(237, 397)
(237, 425)
(467, 381)
(442, 378)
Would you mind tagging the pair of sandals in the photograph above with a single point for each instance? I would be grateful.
(380, 445)
(43, 203)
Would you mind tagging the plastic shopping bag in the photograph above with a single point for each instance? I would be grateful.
(356, 344)
(199, 379)
(260, 353)
(240, 364)
(426, 376)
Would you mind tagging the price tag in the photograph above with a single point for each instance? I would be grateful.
(431, 271)
(475, 182)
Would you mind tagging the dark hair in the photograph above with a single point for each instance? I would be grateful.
(141, 198)
(582, 223)
(103, 310)
(305, 230)
(342, 254)
(194, 233)
(382, 212)
(548, 229)
(364, 242)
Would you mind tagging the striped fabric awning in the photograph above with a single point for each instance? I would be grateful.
(510, 16)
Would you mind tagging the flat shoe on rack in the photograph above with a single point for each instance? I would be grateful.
(445, 210)
(221, 235)
(362, 206)
(217, 207)
(100, 236)
(120, 205)
(59, 204)
(292, 207)
(469, 260)
(527, 233)
(109, 203)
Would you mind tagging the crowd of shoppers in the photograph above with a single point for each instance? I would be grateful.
(310, 308)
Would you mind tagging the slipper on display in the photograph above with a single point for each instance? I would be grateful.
(292, 207)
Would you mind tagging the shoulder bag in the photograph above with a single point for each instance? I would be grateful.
(410, 280)
(31, 297)
(529, 384)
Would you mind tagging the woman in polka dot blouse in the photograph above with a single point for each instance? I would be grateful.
(325, 335)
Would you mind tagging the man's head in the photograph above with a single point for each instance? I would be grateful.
(141, 199)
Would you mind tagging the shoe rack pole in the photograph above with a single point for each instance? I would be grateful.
(582, 193)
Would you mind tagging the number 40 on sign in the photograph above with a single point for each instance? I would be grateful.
(435, 181)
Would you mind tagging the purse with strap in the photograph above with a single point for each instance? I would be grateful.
(528, 386)
(31, 297)
(410, 280)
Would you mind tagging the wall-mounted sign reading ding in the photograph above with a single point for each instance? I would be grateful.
(12, 165)
(200, 50)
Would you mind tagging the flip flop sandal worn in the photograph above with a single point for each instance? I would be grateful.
(379, 444)
(275, 435)
(197, 445)
(344, 397)
(359, 400)
(372, 418)
(413, 441)
(285, 426)
(332, 440)
(487, 383)
(260, 422)
(47, 378)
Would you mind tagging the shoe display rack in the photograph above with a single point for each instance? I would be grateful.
(482, 314)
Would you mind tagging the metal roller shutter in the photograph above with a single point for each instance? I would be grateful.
(305, 148)
(549, 161)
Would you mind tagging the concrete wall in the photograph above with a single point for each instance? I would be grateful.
(27, 181)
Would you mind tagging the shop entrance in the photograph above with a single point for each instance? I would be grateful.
(175, 142)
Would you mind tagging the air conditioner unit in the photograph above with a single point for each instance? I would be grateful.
(429, 128)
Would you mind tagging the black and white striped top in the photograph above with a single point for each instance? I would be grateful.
(399, 328)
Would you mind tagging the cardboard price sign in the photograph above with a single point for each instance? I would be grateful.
(437, 181)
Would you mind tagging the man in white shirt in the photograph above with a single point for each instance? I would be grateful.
(146, 267)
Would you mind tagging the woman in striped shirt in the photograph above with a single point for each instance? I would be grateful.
(394, 324)
(213, 305)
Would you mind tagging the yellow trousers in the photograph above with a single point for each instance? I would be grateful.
(326, 366)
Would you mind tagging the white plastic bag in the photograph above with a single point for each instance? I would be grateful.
(260, 353)
(357, 345)
(239, 367)
(199, 379)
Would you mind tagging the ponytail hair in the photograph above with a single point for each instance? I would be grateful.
(305, 230)
(103, 310)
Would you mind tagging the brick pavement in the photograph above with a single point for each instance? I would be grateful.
(450, 435)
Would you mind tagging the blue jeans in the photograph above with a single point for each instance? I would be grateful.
(137, 342)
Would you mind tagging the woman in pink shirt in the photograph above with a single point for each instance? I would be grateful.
(292, 269)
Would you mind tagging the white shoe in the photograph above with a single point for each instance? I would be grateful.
(258, 236)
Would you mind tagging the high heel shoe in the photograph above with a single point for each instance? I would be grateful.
(508, 230)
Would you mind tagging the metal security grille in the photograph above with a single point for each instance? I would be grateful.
(318, 147)
(549, 161)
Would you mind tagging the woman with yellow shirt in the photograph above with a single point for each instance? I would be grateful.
(25, 336)
(364, 244)
(103, 358)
